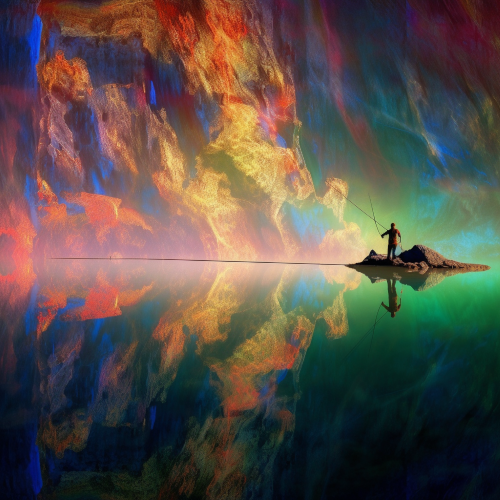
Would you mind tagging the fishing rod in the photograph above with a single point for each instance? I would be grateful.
(372, 218)
(373, 212)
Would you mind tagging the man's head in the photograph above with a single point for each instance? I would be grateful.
(393, 314)
(393, 225)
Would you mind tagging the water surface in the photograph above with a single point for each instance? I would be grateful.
(174, 380)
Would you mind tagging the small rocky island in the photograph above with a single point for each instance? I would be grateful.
(419, 258)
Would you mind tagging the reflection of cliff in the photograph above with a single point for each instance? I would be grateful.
(16, 282)
(258, 385)
(248, 326)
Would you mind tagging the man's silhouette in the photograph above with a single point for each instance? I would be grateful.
(393, 307)
(393, 240)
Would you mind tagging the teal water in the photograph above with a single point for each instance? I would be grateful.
(413, 412)
(202, 380)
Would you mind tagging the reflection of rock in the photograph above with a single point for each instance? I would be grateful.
(418, 281)
(342, 275)
(62, 430)
(336, 318)
(418, 258)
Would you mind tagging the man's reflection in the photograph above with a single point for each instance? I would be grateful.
(393, 306)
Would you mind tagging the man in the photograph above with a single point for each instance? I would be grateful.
(393, 240)
(393, 307)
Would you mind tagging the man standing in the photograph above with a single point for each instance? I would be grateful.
(393, 240)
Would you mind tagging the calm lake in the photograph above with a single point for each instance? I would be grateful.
(173, 380)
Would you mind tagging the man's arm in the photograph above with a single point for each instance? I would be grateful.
(399, 236)
(382, 304)
(383, 234)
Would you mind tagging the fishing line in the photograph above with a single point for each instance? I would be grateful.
(373, 331)
(364, 336)
(204, 260)
(373, 334)
(233, 261)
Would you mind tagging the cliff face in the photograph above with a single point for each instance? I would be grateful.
(419, 258)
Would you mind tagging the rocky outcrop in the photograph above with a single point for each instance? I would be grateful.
(419, 258)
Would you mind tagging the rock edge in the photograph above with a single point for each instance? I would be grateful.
(419, 258)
